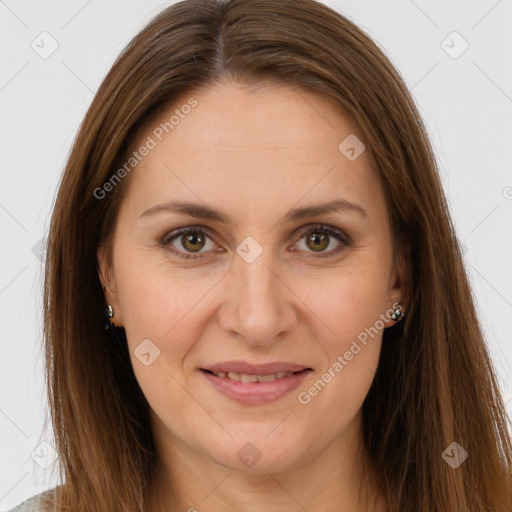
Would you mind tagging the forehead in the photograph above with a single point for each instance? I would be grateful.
(252, 146)
(233, 116)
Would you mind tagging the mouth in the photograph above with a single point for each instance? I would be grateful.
(255, 388)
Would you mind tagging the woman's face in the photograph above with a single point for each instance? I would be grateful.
(264, 280)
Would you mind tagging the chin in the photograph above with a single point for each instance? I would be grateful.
(258, 455)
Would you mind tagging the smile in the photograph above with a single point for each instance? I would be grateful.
(255, 389)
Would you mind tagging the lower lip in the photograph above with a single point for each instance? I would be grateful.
(255, 393)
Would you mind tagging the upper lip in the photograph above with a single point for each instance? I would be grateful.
(255, 369)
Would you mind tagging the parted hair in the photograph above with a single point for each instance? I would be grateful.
(435, 383)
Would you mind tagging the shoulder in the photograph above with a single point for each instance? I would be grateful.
(34, 503)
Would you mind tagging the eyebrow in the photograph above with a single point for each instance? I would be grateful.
(203, 211)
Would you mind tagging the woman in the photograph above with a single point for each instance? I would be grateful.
(253, 204)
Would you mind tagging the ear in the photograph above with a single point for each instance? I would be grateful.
(399, 284)
(107, 279)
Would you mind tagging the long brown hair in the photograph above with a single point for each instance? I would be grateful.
(435, 384)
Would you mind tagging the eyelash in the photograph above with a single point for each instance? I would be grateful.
(196, 230)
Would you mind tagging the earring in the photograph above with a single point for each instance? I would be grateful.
(108, 314)
(398, 313)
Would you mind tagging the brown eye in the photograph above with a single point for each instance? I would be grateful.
(193, 242)
(318, 238)
(318, 241)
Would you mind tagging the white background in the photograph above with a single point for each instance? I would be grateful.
(466, 103)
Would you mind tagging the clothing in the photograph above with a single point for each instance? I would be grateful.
(32, 504)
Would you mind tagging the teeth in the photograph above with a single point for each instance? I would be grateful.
(266, 378)
(246, 378)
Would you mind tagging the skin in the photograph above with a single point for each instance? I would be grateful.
(255, 154)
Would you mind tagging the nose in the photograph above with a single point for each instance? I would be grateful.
(259, 305)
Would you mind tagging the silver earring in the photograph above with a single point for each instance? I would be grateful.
(108, 314)
(398, 313)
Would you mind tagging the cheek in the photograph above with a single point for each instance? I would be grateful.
(155, 297)
(160, 320)
(349, 313)
(164, 315)
(349, 302)
(350, 360)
